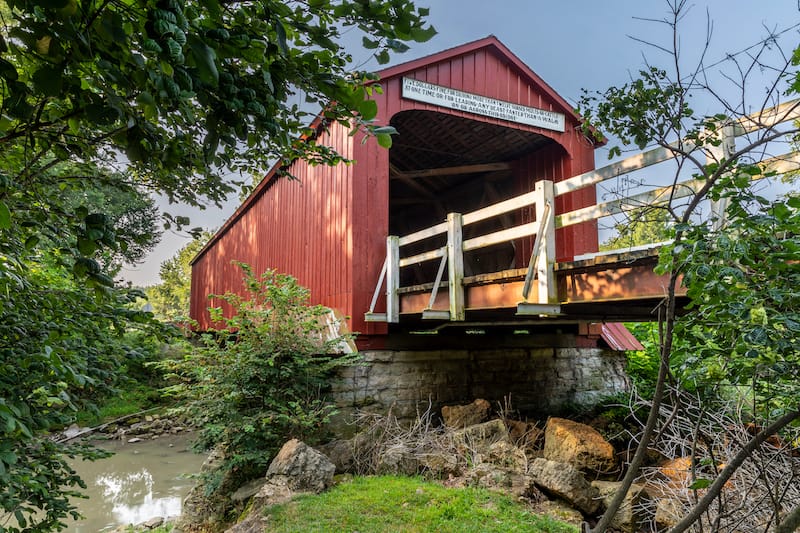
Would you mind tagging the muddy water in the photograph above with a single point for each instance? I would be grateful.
(140, 481)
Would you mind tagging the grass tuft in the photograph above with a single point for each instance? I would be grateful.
(391, 503)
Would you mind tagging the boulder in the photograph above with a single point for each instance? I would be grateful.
(398, 459)
(460, 416)
(274, 492)
(479, 437)
(678, 472)
(306, 468)
(565, 482)
(497, 478)
(633, 513)
(341, 453)
(199, 509)
(248, 490)
(580, 445)
(523, 434)
(669, 511)
(503, 453)
(153, 522)
(488, 476)
(440, 463)
(560, 511)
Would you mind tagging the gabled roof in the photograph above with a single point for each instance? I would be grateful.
(493, 45)
(490, 43)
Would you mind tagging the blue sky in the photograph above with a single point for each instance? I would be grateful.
(572, 45)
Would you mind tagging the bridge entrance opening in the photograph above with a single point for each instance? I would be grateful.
(441, 163)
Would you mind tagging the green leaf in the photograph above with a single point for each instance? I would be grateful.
(422, 35)
(368, 109)
(384, 140)
(8, 70)
(48, 80)
(700, 483)
(280, 31)
(391, 130)
(205, 61)
(382, 57)
(369, 44)
(31, 242)
(86, 246)
(5, 216)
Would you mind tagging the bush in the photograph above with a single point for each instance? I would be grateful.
(262, 378)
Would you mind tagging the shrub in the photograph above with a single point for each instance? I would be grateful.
(262, 378)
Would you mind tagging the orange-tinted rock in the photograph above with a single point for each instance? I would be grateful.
(461, 416)
(580, 445)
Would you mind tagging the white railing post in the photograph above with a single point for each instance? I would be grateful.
(545, 271)
(455, 262)
(392, 279)
(726, 135)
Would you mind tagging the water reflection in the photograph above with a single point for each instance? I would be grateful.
(132, 497)
(139, 482)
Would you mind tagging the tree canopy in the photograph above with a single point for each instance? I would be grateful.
(102, 103)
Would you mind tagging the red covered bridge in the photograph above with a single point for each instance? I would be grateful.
(480, 211)
(477, 228)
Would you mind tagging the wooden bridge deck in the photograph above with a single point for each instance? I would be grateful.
(612, 287)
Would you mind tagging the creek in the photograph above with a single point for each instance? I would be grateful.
(140, 481)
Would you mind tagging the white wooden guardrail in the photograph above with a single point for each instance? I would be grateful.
(542, 199)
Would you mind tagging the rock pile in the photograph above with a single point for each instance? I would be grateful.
(132, 429)
(566, 470)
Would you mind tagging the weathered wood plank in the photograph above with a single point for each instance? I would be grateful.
(768, 117)
(621, 205)
(497, 237)
(450, 171)
(423, 234)
(523, 200)
(630, 164)
(392, 279)
(422, 257)
(455, 262)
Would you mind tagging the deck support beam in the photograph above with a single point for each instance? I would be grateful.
(392, 279)
(455, 263)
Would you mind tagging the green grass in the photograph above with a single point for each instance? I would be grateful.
(387, 503)
(132, 398)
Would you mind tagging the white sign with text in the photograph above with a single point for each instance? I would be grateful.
(481, 105)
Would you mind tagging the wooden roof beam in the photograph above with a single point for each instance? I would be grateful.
(450, 171)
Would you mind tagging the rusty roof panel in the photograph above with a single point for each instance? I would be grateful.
(618, 337)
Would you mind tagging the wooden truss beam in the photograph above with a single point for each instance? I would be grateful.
(450, 171)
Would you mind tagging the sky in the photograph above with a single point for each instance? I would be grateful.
(572, 45)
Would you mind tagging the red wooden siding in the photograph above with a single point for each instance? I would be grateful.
(329, 229)
(302, 227)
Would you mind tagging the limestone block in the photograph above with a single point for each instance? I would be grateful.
(481, 436)
(564, 481)
(669, 512)
(306, 468)
(578, 444)
(632, 514)
(459, 416)
(560, 511)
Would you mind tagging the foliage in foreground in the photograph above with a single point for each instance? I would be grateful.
(387, 503)
(739, 269)
(61, 349)
(261, 379)
(189, 92)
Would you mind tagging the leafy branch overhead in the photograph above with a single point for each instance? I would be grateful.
(187, 90)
